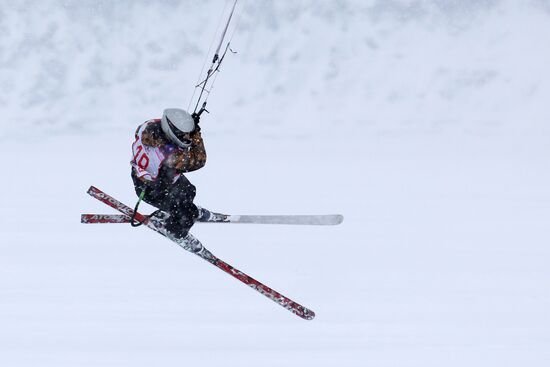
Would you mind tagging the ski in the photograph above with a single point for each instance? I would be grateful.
(212, 217)
(104, 218)
(191, 244)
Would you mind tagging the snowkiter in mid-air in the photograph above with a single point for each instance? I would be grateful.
(164, 149)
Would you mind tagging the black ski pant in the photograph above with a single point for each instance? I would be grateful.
(174, 198)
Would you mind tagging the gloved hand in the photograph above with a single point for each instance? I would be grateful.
(196, 118)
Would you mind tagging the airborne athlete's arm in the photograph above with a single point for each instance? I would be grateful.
(152, 136)
(192, 159)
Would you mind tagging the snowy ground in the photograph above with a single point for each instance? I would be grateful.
(442, 258)
(439, 164)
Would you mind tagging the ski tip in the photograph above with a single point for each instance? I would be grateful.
(339, 218)
(91, 189)
(306, 314)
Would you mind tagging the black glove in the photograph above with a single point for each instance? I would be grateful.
(196, 118)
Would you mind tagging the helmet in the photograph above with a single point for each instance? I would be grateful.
(177, 124)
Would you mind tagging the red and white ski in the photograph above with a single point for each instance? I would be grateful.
(104, 218)
(191, 244)
(212, 217)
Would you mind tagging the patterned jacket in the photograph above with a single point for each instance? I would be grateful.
(154, 154)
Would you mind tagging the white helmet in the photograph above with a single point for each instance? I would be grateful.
(177, 124)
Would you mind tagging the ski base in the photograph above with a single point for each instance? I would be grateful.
(207, 216)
